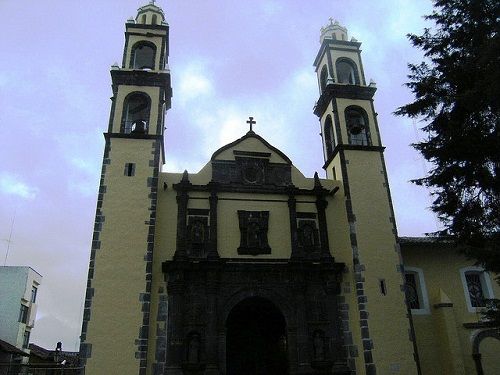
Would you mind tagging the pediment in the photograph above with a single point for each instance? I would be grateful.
(251, 161)
(251, 145)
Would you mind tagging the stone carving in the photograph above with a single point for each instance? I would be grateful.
(253, 228)
(307, 232)
(194, 345)
(251, 171)
(318, 346)
(197, 233)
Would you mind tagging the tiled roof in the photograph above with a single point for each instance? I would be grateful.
(8, 348)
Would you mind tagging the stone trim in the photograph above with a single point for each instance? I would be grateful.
(138, 77)
(85, 347)
(341, 147)
(144, 26)
(329, 43)
(161, 113)
(182, 202)
(339, 90)
(145, 297)
(292, 212)
(266, 189)
(362, 72)
(358, 274)
(213, 252)
(251, 134)
(112, 112)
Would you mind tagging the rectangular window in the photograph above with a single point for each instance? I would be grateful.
(129, 169)
(33, 294)
(475, 288)
(26, 339)
(412, 294)
(383, 287)
(23, 314)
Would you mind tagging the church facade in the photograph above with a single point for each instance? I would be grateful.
(248, 266)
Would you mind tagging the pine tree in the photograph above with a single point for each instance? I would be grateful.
(457, 91)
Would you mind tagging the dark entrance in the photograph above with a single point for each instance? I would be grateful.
(256, 339)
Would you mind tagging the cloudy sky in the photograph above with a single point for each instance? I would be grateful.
(229, 60)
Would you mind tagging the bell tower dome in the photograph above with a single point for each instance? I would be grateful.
(150, 14)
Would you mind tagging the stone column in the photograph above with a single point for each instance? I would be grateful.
(212, 336)
(175, 333)
(303, 357)
(292, 208)
(321, 205)
(213, 251)
(182, 202)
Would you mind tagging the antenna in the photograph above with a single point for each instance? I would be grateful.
(10, 238)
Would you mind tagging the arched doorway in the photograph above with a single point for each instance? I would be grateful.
(256, 341)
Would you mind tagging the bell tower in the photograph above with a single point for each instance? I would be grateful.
(116, 317)
(353, 154)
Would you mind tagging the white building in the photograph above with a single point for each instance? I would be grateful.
(18, 293)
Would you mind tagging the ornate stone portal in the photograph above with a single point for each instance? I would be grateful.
(203, 294)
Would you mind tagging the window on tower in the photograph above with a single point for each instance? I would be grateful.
(323, 77)
(357, 126)
(143, 56)
(346, 71)
(329, 137)
(136, 113)
(154, 19)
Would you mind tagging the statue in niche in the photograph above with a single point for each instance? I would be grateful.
(307, 233)
(318, 346)
(253, 234)
(253, 230)
(197, 232)
(307, 236)
(193, 355)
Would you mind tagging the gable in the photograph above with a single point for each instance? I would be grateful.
(251, 145)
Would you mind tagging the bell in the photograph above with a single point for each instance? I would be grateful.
(355, 129)
(139, 126)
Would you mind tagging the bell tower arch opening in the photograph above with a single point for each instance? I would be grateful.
(256, 339)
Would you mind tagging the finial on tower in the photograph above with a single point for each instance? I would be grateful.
(334, 30)
(150, 14)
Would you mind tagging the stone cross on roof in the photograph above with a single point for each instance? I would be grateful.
(251, 122)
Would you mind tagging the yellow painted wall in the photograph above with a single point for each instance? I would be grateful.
(377, 252)
(119, 275)
(441, 267)
(490, 351)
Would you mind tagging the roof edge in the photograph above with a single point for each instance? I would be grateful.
(251, 134)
